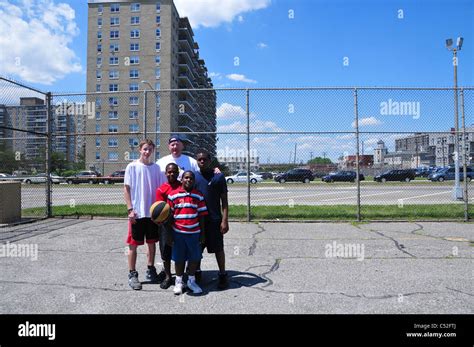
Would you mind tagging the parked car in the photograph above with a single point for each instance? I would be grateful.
(396, 175)
(449, 174)
(295, 175)
(115, 177)
(319, 174)
(83, 177)
(422, 172)
(8, 177)
(342, 176)
(434, 171)
(242, 177)
(41, 178)
(265, 175)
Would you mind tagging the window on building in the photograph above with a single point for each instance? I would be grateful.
(133, 87)
(99, 48)
(97, 115)
(97, 155)
(113, 101)
(113, 114)
(99, 61)
(157, 86)
(158, 19)
(135, 20)
(135, 34)
(98, 102)
(99, 22)
(113, 142)
(133, 114)
(100, 9)
(133, 142)
(113, 128)
(134, 60)
(134, 74)
(135, 7)
(98, 74)
(114, 21)
(158, 60)
(158, 7)
(133, 128)
(115, 8)
(134, 155)
(113, 61)
(134, 47)
(99, 34)
(114, 47)
(97, 128)
(114, 74)
(97, 87)
(114, 34)
(133, 100)
(97, 141)
(158, 46)
(113, 156)
(158, 33)
(157, 72)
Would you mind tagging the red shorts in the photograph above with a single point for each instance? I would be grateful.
(143, 229)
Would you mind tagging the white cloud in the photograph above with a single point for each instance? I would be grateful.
(217, 75)
(228, 111)
(212, 13)
(256, 126)
(367, 122)
(240, 19)
(262, 45)
(35, 36)
(240, 78)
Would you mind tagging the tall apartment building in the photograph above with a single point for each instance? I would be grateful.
(138, 45)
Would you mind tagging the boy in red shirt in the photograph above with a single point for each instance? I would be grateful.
(166, 230)
(188, 210)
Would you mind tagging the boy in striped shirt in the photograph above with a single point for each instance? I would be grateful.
(188, 209)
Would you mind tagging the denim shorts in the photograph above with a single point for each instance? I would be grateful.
(186, 247)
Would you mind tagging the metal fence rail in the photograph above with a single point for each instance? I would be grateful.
(366, 130)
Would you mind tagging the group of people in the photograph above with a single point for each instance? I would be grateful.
(197, 195)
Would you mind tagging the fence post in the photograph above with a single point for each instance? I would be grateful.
(356, 121)
(247, 98)
(464, 158)
(49, 120)
(144, 114)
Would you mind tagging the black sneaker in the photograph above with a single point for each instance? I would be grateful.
(133, 281)
(198, 276)
(151, 275)
(223, 281)
(166, 283)
(161, 276)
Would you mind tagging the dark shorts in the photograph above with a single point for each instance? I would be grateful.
(186, 247)
(214, 238)
(143, 229)
(166, 239)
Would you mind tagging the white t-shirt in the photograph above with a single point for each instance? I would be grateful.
(143, 181)
(184, 163)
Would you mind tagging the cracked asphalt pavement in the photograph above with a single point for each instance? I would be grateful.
(407, 268)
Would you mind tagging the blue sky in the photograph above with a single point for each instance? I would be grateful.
(279, 43)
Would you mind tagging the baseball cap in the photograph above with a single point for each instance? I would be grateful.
(174, 138)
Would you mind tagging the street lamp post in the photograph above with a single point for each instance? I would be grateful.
(457, 191)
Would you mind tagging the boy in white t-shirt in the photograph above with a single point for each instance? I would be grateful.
(142, 178)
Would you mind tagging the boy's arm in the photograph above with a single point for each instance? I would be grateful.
(128, 200)
(225, 213)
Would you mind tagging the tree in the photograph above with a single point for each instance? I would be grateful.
(319, 160)
(10, 161)
(58, 162)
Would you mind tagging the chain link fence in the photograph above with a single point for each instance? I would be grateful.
(295, 153)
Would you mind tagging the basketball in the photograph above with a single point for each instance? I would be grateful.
(159, 211)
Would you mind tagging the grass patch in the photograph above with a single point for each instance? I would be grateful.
(298, 212)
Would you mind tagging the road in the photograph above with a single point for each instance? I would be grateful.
(268, 194)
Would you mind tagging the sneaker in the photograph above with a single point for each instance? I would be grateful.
(198, 276)
(193, 286)
(151, 275)
(223, 281)
(133, 281)
(178, 288)
(166, 283)
(161, 276)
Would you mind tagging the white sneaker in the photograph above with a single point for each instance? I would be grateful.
(193, 286)
(178, 288)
